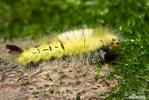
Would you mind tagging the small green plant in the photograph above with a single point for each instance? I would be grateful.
(78, 96)
(97, 71)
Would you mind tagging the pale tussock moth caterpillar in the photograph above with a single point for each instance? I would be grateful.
(69, 43)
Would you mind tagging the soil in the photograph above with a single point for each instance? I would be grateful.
(52, 80)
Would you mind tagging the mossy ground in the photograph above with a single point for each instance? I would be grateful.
(128, 18)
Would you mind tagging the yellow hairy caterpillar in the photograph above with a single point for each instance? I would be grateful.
(68, 43)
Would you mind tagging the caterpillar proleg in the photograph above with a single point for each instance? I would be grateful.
(68, 43)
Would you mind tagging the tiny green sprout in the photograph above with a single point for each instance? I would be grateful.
(97, 71)
(78, 96)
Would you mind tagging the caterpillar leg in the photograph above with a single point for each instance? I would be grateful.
(105, 48)
(91, 57)
(30, 65)
(98, 55)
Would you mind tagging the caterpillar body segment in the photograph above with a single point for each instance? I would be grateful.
(44, 52)
(69, 43)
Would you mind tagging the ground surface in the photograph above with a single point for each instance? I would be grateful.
(54, 80)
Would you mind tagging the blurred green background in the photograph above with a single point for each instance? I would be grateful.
(27, 19)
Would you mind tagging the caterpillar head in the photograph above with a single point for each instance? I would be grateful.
(111, 40)
(115, 42)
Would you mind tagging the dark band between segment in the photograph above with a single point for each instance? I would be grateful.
(50, 48)
(62, 45)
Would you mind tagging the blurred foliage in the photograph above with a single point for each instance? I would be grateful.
(21, 18)
(129, 18)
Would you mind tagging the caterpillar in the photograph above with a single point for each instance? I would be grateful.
(69, 43)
